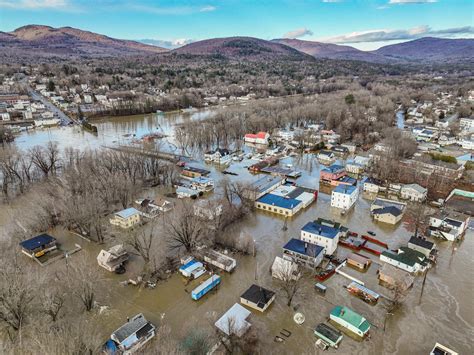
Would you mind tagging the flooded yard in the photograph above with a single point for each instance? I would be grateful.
(444, 314)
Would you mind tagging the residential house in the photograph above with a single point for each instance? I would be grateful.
(192, 172)
(134, 334)
(372, 185)
(126, 218)
(322, 235)
(448, 225)
(258, 298)
(39, 245)
(350, 147)
(286, 135)
(422, 245)
(389, 214)
(202, 183)
(350, 320)
(383, 202)
(344, 197)
(87, 99)
(340, 150)
(113, 258)
(393, 277)
(184, 192)
(284, 269)
(305, 253)
(218, 156)
(326, 157)
(234, 321)
(466, 124)
(259, 138)
(413, 192)
(467, 144)
(406, 259)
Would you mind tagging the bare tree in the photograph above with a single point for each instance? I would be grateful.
(184, 229)
(415, 218)
(290, 281)
(16, 300)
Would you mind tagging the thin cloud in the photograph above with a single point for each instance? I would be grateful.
(170, 44)
(393, 35)
(332, 1)
(172, 10)
(34, 4)
(208, 8)
(403, 2)
(298, 33)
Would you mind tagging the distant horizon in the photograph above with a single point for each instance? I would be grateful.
(174, 45)
(365, 25)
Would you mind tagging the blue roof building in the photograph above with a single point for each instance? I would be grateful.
(39, 245)
(322, 235)
(304, 252)
(333, 168)
(345, 189)
(279, 204)
(320, 229)
(128, 212)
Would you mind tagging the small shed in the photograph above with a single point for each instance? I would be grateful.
(358, 261)
(257, 297)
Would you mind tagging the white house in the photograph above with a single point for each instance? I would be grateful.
(344, 196)
(406, 259)
(413, 192)
(259, 138)
(326, 157)
(372, 185)
(467, 124)
(88, 99)
(5, 116)
(134, 334)
(449, 226)
(467, 144)
(321, 235)
(219, 156)
(286, 135)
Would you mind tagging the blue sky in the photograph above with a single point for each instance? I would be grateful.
(365, 24)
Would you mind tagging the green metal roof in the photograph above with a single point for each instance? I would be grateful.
(407, 256)
(351, 317)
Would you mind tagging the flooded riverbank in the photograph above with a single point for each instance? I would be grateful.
(445, 313)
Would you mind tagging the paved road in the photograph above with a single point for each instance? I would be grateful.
(65, 120)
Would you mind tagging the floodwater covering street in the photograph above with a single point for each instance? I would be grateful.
(445, 312)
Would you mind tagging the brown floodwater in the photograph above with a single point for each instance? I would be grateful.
(444, 314)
